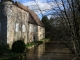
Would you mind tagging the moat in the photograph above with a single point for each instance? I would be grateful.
(53, 50)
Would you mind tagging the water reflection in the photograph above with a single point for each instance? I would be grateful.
(36, 52)
(50, 51)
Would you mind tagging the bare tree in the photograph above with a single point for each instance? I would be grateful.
(71, 18)
(68, 11)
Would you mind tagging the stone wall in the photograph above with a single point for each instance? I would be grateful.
(3, 24)
(32, 36)
(41, 32)
(15, 26)
(16, 23)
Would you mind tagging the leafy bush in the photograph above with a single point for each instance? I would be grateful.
(3, 48)
(18, 46)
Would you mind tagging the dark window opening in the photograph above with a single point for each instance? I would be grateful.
(34, 38)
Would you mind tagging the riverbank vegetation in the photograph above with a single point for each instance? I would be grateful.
(18, 49)
(58, 30)
(64, 24)
(32, 44)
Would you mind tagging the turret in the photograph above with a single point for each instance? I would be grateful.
(5, 16)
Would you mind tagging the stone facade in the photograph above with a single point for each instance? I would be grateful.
(32, 33)
(15, 23)
(41, 32)
(3, 24)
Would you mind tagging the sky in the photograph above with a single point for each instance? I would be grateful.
(40, 6)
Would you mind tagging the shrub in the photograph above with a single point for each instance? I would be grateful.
(3, 48)
(18, 46)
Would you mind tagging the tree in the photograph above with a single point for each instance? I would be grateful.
(68, 11)
(47, 26)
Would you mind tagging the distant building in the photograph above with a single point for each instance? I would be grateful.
(19, 22)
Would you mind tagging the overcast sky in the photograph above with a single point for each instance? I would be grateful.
(45, 7)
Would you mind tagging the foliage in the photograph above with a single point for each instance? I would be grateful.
(3, 48)
(18, 46)
(47, 25)
(31, 44)
(69, 13)
(36, 42)
(39, 42)
(58, 29)
(45, 40)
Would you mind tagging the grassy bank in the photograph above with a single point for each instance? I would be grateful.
(45, 40)
(8, 55)
(32, 44)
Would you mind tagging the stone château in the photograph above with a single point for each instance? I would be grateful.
(19, 22)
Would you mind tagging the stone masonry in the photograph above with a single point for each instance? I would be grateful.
(19, 22)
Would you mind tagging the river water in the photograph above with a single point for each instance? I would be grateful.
(53, 50)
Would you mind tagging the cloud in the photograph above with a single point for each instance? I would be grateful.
(43, 6)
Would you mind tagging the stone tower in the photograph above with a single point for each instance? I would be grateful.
(4, 19)
(13, 22)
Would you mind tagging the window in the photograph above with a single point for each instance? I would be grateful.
(17, 27)
(31, 29)
(23, 28)
(35, 29)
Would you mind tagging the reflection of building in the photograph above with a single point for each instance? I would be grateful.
(36, 53)
(18, 22)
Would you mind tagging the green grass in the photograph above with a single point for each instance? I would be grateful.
(36, 43)
(9, 55)
(31, 44)
(47, 39)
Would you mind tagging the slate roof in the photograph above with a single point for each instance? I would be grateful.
(33, 16)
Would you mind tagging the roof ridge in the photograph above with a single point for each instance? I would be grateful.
(33, 14)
